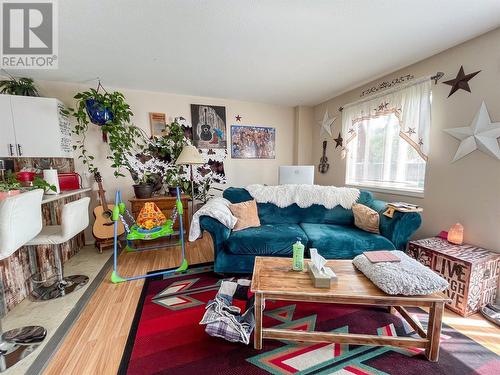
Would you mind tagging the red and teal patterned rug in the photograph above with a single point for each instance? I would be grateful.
(166, 338)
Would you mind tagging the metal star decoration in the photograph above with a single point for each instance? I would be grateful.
(326, 124)
(238, 118)
(481, 135)
(338, 141)
(461, 81)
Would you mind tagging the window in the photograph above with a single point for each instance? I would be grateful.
(386, 140)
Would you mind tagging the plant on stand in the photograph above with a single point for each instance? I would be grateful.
(146, 173)
(167, 149)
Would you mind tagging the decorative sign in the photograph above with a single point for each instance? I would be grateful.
(387, 84)
(65, 129)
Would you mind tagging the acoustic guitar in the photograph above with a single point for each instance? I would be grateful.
(103, 228)
(323, 162)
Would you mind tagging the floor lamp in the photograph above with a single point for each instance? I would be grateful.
(190, 156)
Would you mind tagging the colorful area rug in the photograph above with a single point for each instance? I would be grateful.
(166, 338)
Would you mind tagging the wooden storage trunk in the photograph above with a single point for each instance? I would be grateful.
(472, 272)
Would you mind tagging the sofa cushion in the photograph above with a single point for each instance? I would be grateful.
(276, 239)
(365, 218)
(343, 242)
(246, 213)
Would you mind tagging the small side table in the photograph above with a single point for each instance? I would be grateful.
(472, 272)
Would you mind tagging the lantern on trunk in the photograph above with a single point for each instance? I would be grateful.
(456, 234)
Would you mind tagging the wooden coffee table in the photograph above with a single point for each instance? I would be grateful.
(274, 279)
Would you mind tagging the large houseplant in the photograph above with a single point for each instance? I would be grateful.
(166, 149)
(112, 113)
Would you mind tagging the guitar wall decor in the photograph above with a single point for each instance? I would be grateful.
(323, 162)
(103, 226)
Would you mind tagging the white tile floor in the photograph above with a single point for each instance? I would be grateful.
(50, 314)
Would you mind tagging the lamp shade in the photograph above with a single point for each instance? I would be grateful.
(189, 155)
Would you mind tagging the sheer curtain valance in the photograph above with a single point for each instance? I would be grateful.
(387, 138)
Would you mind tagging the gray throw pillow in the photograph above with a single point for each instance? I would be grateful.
(408, 277)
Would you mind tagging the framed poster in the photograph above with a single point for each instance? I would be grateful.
(158, 123)
(209, 126)
(253, 142)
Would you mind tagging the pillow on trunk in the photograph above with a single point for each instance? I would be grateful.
(365, 218)
(246, 213)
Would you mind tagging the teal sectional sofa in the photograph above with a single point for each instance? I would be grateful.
(331, 231)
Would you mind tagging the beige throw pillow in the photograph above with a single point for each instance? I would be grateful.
(246, 213)
(365, 218)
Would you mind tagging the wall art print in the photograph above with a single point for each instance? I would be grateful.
(158, 123)
(209, 126)
(253, 142)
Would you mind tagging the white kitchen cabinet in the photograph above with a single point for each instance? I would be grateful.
(40, 128)
(7, 135)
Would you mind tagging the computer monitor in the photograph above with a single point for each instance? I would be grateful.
(296, 174)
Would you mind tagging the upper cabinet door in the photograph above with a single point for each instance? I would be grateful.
(7, 135)
(38, 128)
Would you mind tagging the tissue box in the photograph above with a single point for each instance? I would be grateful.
(321, 280)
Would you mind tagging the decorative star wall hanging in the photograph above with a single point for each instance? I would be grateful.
(238, 118)
(461, 81)
(338, 141)
(326, 124)
(481, 135)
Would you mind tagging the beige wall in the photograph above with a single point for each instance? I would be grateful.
(239, 172)
(304, 120)
(467, 191)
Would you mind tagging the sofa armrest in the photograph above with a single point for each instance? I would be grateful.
(400, 227)
(219, 232)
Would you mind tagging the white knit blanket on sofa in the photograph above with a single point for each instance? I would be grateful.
(304, 195)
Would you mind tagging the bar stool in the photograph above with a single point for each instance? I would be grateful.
(20, 221)
(74, 219)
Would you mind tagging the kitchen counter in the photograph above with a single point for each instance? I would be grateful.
(64, 194)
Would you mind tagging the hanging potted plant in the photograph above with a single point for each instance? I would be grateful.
(110, 111)
(18, 86)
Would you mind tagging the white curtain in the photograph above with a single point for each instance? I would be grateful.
(387, 138)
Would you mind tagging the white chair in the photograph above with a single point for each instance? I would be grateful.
(20, 221)
(74, 219)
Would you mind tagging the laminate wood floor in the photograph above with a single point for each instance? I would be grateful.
(96, 341)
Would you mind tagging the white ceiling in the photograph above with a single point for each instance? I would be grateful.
(286, 52)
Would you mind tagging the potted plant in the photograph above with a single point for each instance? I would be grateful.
(147, 173)
(18, 86)
(167, 149)
(40, 183)
(112, 113)
(10, 186)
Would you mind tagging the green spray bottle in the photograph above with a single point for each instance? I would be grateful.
(298, 256)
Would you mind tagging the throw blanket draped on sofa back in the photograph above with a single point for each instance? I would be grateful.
(272, 214)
